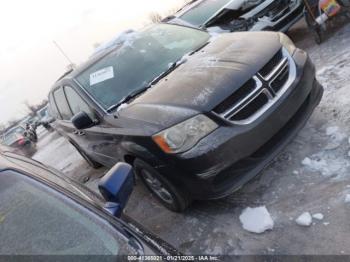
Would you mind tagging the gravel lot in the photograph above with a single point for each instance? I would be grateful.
(311, 175)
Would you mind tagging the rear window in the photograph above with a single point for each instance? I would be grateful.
(62, 104)
(202, 12)
(53, 108)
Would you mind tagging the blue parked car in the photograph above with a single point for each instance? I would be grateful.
(42, 212)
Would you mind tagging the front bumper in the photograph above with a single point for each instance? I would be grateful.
(232, 155)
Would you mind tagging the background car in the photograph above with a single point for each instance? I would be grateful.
(15, 139)
(44, 115)
(42, 212)
(237, 15)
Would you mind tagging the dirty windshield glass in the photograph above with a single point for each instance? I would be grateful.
(139, 59)
(202, 12)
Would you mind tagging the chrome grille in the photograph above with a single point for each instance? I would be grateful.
(261, 91)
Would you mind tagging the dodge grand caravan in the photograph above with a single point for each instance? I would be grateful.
(197, 117)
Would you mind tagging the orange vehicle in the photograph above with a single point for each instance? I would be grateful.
(318, 12)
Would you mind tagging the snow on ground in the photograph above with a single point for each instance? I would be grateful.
(347, 198)
(305, 219)
(256, 220)
(318, 216)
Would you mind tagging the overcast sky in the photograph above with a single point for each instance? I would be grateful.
(29, 61)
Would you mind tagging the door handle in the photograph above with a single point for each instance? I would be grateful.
(79, 133)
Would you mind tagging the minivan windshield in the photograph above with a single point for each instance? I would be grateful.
(202, 12)
(137, 60)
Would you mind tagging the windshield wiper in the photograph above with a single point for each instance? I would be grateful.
(125, 99)
(132, 95)
(199, 48)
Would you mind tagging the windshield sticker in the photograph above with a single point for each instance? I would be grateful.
(101, 75)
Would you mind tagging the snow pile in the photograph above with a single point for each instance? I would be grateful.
(332, 130)
(327, 164)
(304, 219)
(335, 134)
(318, 216)
(122, 106)
(347, 198)
(256, 220)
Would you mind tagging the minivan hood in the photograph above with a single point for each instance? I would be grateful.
(206, 78)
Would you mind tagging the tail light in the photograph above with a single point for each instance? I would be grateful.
(21, 142)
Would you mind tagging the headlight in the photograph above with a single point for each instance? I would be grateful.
(287, 43)
(184, 136)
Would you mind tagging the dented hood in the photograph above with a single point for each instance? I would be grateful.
(205, 79)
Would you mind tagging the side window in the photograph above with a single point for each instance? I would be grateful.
(76, 103)
(62, 104)
(52, 107)
(36, 220)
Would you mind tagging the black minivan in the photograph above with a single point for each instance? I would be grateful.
(196, 116)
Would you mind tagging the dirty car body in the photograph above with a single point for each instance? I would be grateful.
(240, 15)
(209, 123)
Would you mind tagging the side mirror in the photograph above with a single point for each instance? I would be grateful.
(116, 187)
(82, 121)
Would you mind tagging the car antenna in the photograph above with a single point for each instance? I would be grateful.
(64, 54)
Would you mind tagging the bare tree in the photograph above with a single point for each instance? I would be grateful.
(30, 108)
(155, 17)
(34, 108)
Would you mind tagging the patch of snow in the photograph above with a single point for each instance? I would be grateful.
(317, 164)
(270, 250)
(326, 223)
(256, 220)
(295, 172)
(122, 107)
(318, 216)
(327, 164)
(304, 219)
(183, 59)
(214, 30)
(347, 198)
(332, 130)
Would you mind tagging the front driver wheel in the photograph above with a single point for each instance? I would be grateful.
(168, 194)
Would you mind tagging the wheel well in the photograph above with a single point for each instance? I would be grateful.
(129, 159)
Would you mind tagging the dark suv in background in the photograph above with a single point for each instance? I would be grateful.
(196, 117)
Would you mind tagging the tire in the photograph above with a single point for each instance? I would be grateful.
(91, 162)
(169, 195)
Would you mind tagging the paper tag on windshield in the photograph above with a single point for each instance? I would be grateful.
(101, 75)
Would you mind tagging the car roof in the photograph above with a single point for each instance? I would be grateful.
(10, 160)
(55, 176)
